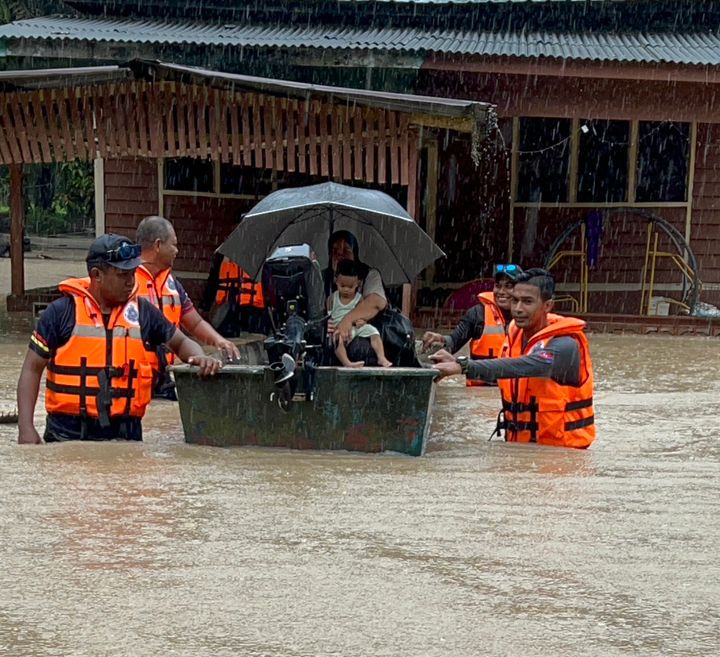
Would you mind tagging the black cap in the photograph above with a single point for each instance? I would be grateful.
(116, 250)
(509, 271)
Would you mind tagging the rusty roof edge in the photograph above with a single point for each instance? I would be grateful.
(480, 117)
(58, 72)
(51, 77)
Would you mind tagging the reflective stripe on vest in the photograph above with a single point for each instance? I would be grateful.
(161, 291)
(542, 410)
(489, 344)
(100, 372)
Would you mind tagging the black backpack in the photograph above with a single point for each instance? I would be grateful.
(398, 337)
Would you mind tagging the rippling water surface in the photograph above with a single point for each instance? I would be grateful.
(478, 548)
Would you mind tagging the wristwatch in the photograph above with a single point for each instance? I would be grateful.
(463, 362)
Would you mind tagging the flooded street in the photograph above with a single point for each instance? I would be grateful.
(478, 548)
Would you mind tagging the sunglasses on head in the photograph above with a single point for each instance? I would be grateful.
(124, 252)
(499, 269)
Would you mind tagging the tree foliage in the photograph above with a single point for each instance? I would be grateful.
(59, 198)
(12, 10)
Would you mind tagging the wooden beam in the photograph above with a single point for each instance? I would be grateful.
(552, 67)
(432, 197)
(514, 173)
(632, 160)
(99, 177)
(409, 291)
(574, 151)
(691, 181)
(17, 223)
(464, 124)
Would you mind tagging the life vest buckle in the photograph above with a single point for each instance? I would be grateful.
(499, 425)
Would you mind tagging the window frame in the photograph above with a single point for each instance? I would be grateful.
(216, 193)
(567, 153)
(572, 201)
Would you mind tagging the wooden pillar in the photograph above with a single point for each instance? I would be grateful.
(17, 223)
(691, 184)
(99, 176)
(514, 172)
(409, 291)
(431, 198)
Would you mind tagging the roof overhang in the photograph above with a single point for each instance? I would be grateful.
(553, 67)
(474, 117)
(152, 109)
(52, 78)
(461, 115)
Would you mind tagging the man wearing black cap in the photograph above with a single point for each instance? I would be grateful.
(95, 342)
(484, 324)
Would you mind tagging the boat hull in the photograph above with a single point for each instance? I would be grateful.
(365, 410)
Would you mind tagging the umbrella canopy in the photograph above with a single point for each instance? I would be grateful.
(389, 239)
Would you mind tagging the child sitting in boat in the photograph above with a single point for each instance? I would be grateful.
(341, 302)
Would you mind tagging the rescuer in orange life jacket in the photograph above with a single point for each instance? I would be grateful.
(545, 373)
(484, 324)
(97, 342)
(233, 301)
(156, 282)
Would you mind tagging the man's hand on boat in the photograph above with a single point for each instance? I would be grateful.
(208, 365)
(192, 353)
(431, 339)
(446, 365)
(230, 352)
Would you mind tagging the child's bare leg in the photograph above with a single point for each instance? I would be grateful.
(377, 345)
(342, 356)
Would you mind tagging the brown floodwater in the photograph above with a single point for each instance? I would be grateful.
(477, 548)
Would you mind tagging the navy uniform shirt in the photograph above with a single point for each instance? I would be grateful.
(54, 329)
(559, 360)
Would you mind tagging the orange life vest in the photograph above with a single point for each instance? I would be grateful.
(95, 352)
(542, 410)
(161, 291)
(234, 280)
(490, 343)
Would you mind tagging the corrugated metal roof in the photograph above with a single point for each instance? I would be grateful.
(702, 48)
(483, 2)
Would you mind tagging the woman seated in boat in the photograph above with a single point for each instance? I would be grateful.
(343, 245)
(342, 302)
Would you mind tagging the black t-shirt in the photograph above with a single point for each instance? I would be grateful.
(54, 329)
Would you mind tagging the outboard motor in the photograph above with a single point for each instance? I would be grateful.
(293, 291)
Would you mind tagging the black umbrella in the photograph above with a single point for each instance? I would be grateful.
(389, 239)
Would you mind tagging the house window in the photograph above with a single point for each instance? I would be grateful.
(245, 181)
(603, 155)
(544, 160)
(662, 163)
(603, 164)
(187, 174)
